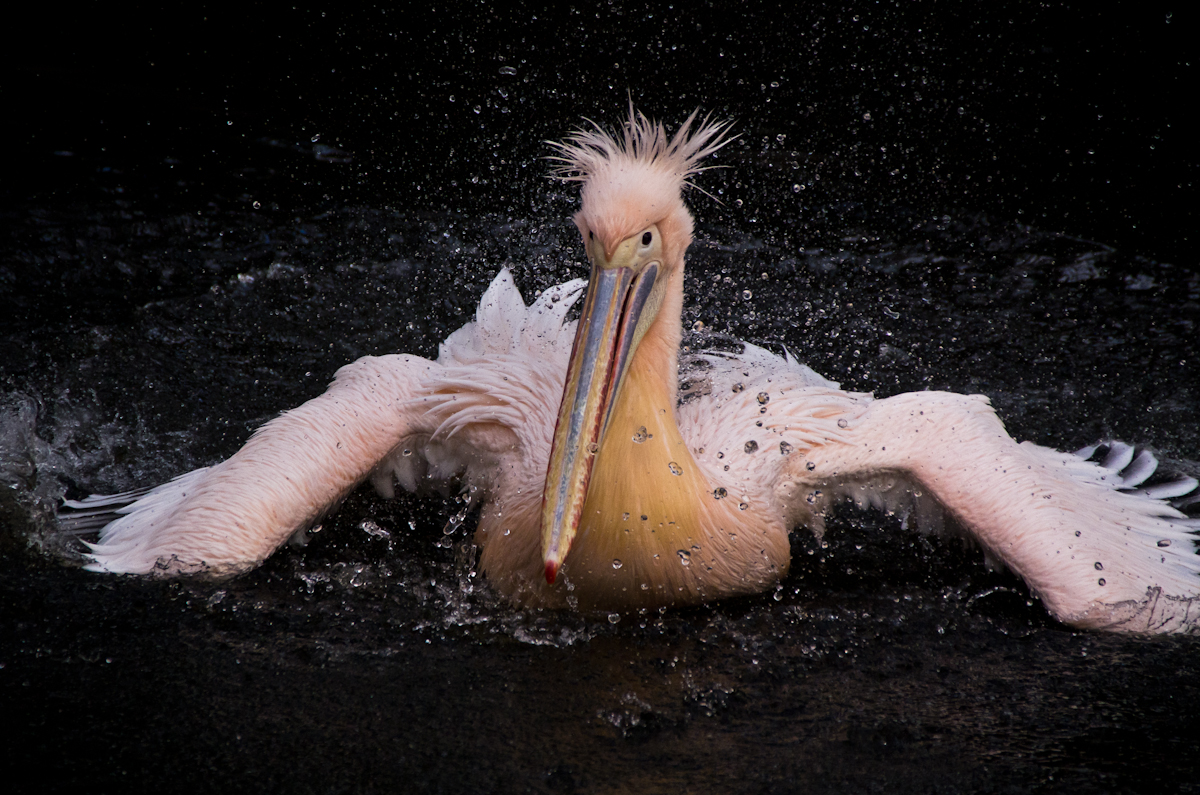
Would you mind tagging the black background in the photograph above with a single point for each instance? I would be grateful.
(1062, 115)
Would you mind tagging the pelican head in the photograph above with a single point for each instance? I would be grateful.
(635, 230)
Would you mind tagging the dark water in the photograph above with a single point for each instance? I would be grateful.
(176, 280)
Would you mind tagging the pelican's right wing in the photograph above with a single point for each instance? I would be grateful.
(389, 418)
(229, 517)
(1097, 551)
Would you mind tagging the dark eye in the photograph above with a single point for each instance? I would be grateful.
(646, 238)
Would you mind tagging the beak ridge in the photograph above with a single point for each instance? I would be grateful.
(609, 329)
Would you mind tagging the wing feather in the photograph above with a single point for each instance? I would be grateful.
(1098, 552)
(392, 420)
(227, 518)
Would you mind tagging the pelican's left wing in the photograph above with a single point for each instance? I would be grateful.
(1098, 550)
(383, 418)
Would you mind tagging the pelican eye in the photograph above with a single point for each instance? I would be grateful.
(646, 238)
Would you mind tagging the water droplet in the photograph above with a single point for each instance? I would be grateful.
(593, 447)
(843, 423)
(785, 448)
(675, 468)
(644, 517)
(720, 493)
(614, 618)
(257, 205)
(810, 466)
(751, 446)
(720, 455)
(743, 506)
(1166, 542)
(508, 70)
(747, 295)
(685, 557)
(507, 530)
(1101, 581)
(625, 516)
(738, 387)
(1099, 566)
(763, 397)
(796, 188)
(698, 325)
(616, 563)
(640, 435)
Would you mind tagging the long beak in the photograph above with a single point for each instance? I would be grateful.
(608, 331)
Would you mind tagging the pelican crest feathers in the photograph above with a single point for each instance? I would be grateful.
(637, 176)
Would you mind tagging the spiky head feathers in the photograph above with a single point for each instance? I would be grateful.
(637, 179)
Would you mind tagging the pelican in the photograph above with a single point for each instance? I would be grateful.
(601, 487)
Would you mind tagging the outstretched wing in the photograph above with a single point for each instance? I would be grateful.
(227, 518)
(1099, 550)
(1098, 546)
(385, 418)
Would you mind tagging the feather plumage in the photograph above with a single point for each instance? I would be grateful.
(694, 492)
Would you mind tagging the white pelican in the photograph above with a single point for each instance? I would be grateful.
(599, 489)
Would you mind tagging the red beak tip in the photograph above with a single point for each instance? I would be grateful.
(551, 571)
